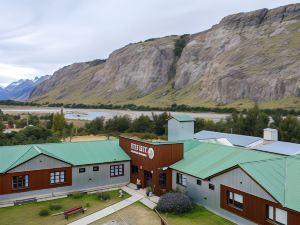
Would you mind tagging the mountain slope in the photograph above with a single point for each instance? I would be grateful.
(247, 56)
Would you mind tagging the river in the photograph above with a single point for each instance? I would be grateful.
(90, 114)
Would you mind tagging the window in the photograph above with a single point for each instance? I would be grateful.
(211, 187)
(96, 168)
(19, 182)
(181, 179)
(81, 170)
(117, 170)
(162, 180)
(277, 215)
(57, 177)
(199, 182)
(235, 199)
(134, 169)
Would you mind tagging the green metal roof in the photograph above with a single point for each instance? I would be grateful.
(277, 174)
(74, 153)
(206, 159)
(183, 118)
(280, 177)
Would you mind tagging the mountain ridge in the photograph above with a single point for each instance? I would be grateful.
(21, 89)
(253, 56)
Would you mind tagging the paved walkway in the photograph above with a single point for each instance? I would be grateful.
(135, 196)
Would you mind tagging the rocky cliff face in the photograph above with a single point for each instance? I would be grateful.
(253, 55)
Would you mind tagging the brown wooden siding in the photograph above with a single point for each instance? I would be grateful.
(254, 208)
(38, 179)
(165, 155)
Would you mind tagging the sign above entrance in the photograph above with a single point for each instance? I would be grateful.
(142, 150)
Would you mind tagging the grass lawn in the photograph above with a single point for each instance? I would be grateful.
(198, 216)
(29, 214)
(135, 214)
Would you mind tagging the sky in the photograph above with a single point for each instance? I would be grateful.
(37, 37)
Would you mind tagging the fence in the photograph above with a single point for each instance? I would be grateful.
(162, 220)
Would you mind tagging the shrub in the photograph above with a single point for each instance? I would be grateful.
(174, 202)
(103, 196)
(77, 195)
(87, 205)
(44, 212)
(55, 206)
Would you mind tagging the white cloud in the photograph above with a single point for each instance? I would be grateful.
(39, 37)
(9, 73)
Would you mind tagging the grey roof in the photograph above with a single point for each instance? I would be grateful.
(235, 139)
(280, 147)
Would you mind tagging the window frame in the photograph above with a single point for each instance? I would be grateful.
(24, 181)
(199, 182)
(81, 170)
(162, 180)
(119, 168)
(181, 179)
(96, 168)
(58, 177)
(233, 202)
(134, 169)
(274, 212)
(211, 186)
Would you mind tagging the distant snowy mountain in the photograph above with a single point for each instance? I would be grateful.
(21, 89)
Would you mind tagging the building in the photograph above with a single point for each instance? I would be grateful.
(43, 169)
(234, 139)
(180, 128)
(245, 185)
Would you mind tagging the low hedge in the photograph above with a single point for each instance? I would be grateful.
(174, 202)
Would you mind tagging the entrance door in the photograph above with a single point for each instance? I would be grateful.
(148, 178)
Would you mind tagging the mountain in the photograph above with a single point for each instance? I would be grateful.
(247, 57)
(21, 89)
(3, 94)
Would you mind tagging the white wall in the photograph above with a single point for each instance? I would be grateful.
(41, 162)
(180, 130)
(211, 199)
(99, 178)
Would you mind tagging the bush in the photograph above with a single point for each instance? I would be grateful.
(103, 196)
(174, 203)
(55, 206)
(77, 195)
(44, 212)
(87, 205)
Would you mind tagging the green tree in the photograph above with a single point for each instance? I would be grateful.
(1, 127)
(160, 123)
(289, 129)
(141, 124)
(59, 123)
(118, 123)
(95, 126)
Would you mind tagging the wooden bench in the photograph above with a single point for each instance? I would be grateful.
(72, 211)
(25, 201)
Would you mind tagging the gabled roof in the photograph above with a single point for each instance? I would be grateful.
(235, 139)
(31, 153)
(183, 118)
(280, 177)
(74, 153)
(206, 159)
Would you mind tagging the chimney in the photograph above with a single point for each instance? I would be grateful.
(270, 134)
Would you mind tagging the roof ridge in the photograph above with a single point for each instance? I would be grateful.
(264, 160)
(11, 166)
(231, 134)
